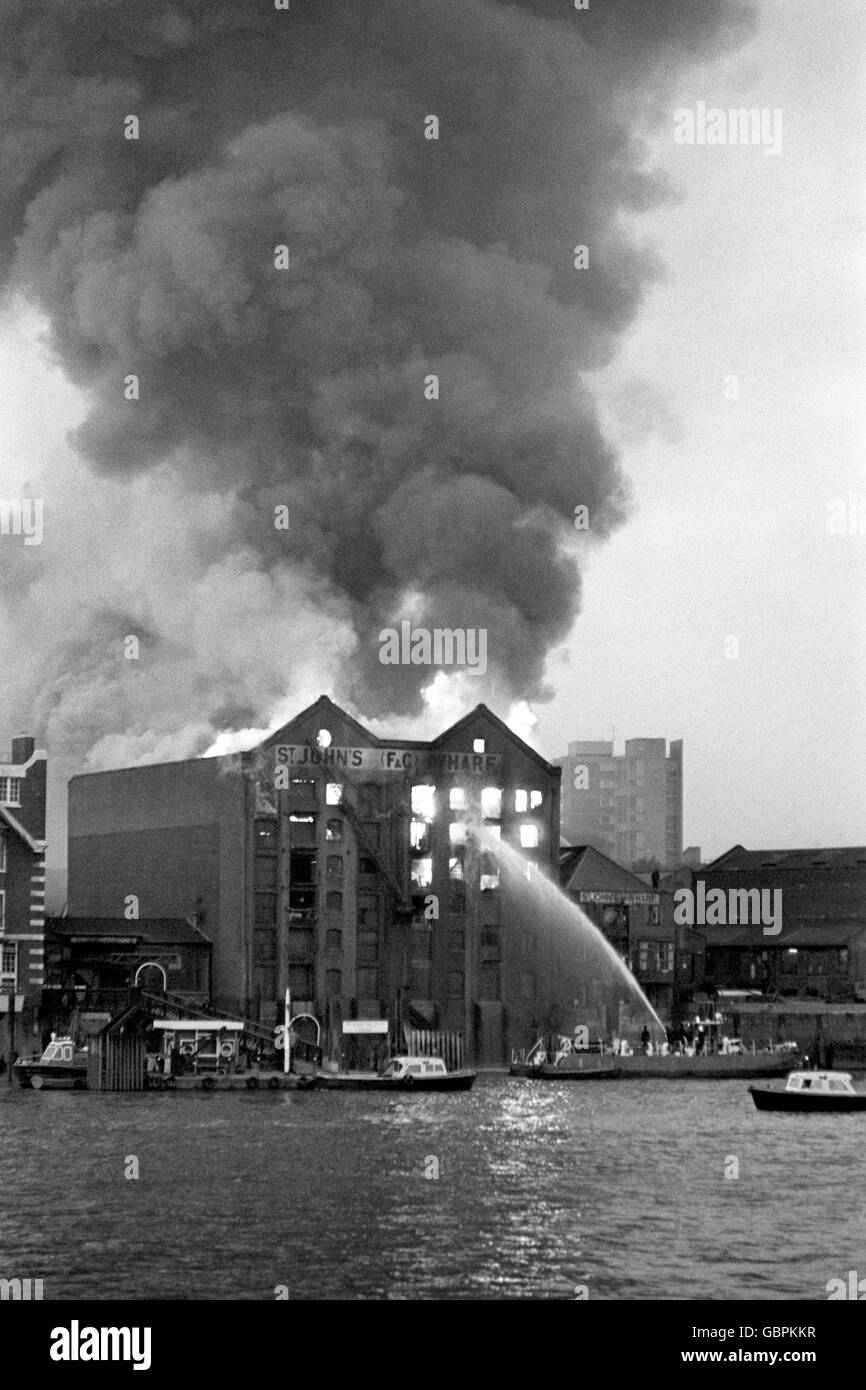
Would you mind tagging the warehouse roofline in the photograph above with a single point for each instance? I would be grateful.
(325, 705)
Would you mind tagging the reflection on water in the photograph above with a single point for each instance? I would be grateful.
(541, 1187)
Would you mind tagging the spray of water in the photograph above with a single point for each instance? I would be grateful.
(541, 898)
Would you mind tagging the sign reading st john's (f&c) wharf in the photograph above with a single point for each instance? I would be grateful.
(385, 759)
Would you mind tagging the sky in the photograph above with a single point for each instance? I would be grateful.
(720, 611)
(765, 259)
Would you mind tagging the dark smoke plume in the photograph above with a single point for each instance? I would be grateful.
(305, 388)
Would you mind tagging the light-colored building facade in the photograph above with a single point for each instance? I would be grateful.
(629, 805)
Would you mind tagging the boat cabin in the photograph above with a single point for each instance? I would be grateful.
(61, 1051)
(196, 1045)
(415, 1066)
(821, 1082)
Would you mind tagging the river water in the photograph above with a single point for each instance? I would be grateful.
(542, 1188)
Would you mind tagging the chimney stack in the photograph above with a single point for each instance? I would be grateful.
(22, 748)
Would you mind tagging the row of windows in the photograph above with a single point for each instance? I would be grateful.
(656, 955)
(488, 878)
(422, 943)
(267, 832)
(305, 790)
(301, 982)
(420, 835)
(333, 828)
(266, 905)
(301, 944)
(302, 901)
(424, 801)
(421, 982)
(303, 867)
(823, 962)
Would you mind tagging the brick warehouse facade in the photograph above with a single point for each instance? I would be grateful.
(23, 776)
(820, 951)
(344, 866)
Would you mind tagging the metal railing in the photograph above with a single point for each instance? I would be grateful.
(90, 1000)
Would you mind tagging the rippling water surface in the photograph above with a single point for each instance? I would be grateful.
(542, 1187)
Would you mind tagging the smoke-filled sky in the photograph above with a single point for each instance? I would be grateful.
(305, 387)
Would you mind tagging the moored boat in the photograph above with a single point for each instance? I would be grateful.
(578, 1070)
(62, 1067)
(404, 1073)
(572, 1064)
(817, 1092)
(716, 1066)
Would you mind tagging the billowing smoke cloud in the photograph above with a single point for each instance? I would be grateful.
(305, 387)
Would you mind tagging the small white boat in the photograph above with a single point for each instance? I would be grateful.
(401, 1074)
(62, 1067)
(815, 1091)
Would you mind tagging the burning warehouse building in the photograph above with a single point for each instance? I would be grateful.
(360, 872)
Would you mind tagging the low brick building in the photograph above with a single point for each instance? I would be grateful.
(93, 962)
(820, 951)
(22, 878)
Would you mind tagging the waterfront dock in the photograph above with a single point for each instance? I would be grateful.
(235, 1081)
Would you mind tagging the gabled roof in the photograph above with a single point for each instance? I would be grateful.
(37, 846)
(740, 860)
(161, 931)
(584, 868)
(502, 728)
(325, 707)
